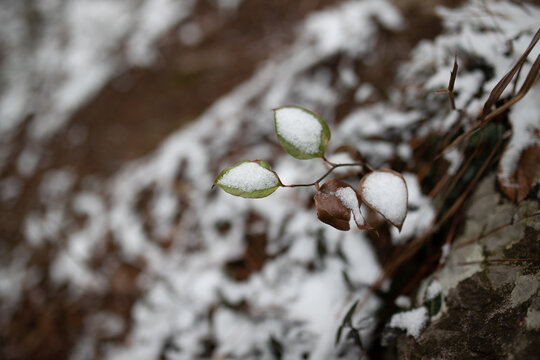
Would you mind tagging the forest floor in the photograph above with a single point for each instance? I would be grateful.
(99, 189)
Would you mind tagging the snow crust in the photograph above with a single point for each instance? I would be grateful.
(386, 193)
(299, 128)
(248, 177)
(413, 321)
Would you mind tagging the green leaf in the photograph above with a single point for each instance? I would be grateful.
(302, 133)
(338, 334)
(348, 317)
(434, 305)
(249, 179)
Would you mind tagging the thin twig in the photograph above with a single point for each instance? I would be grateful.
(451, 83)
(316, 182)
(456, 178)
(468, 242)
(469, 188)
(487, 261)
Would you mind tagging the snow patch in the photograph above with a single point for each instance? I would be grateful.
(413, 321)
(403, 302)
(433, 290)
(420, 214)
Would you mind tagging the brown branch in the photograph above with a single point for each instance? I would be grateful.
(450, 89)
(451, 83)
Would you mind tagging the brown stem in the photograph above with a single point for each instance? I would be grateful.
(487, 261)
(335, 166)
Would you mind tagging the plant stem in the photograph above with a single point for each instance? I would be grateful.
(334, 166)
(487, 261)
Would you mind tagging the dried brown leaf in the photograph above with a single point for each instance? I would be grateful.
(519, 184)
(331, 210)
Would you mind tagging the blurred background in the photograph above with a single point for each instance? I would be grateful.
(115, 117)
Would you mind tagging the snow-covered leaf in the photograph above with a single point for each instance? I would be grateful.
(302, 133)
(385, 191)
(249, 179)
(335, 201)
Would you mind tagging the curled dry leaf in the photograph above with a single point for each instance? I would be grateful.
(335, 201)
(385, 191)
(518, 184)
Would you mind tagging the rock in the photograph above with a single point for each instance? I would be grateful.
(491, 310)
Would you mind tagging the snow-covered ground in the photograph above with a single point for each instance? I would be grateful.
(187, 233)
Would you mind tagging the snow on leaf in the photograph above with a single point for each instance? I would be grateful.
(335, 201)
(385, 191)
(249, 179)
(433, 290)
(301, 133)
(349, 197)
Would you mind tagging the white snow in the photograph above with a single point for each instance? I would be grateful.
(420, 214)
(455, 158)
(347, 196)
(403, 302)
(413, 321)
(433, 290)
(27, 161)
(335, 28)
(445, 251)
(248, 177)
(300, 307)
(299, 128)
(363, 92)
(348, 77)
(52, 66)
(386, 193)
(56, 184)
